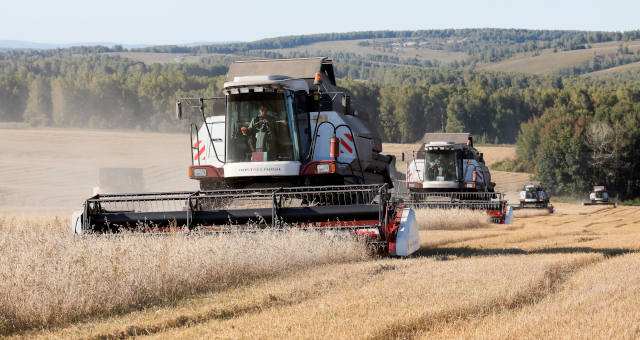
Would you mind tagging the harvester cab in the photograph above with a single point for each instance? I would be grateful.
(283, 123)
(534, 196)
(599, 196)
(449, 172)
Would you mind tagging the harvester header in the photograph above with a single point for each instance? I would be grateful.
(364, 211)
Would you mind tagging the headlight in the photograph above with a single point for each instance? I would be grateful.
(323, 168)
(199, 172)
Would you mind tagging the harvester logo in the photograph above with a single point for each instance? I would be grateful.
(199, 147)
(347, 143)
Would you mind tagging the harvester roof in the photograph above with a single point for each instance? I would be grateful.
(458, 138)
(535, 184)
(302, 68)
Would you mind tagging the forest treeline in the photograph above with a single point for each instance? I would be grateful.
(402, 103)
(100, 91)
(588, 137)
(573, 132)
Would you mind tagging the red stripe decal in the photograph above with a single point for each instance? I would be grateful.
(346, 146)
(200, 152)
(349, 137)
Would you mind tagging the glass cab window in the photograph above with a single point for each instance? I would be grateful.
(531, 192)
(261, 128)
(441, 165)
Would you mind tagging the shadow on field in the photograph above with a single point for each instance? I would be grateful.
(442, 252)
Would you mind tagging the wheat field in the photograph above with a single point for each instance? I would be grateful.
(572, 274)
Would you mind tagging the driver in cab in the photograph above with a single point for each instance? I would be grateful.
(441, 168)
(260, 131)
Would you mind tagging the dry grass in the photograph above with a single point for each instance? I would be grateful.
(399, 298)
(48, 277)
(598, 302)
(452, 219)
(499, 281)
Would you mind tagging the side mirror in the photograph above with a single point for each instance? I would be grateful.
(179, 110)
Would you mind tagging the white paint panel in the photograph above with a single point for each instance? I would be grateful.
(207, 156)
(249, 169)
(407, 237)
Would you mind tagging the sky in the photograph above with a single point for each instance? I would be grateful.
(185, 21)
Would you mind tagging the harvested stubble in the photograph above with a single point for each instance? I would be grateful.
(48, 277)
(403, 297)
(597, 302)
(452, 219)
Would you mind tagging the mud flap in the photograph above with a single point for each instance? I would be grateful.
(508, 218)
(407, 236)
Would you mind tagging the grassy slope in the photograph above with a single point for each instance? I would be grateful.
(351, 46)
(622, 69)
(548, 61)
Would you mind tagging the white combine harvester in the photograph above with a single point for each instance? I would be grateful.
(599, 196)
(534, 196)
(286, 150)
(449, 172)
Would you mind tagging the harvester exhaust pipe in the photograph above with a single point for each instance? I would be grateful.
(179, 110)
(333, 147)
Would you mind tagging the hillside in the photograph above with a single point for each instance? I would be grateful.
(627, 69)
(397, 49)
(547, 61)
(526, 51)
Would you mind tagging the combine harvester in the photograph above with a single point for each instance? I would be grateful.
(448, 172)
(533, 196)
(599, 196)
(287, 151)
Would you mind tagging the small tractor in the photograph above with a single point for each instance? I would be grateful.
(449, 172)
(599, 196)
